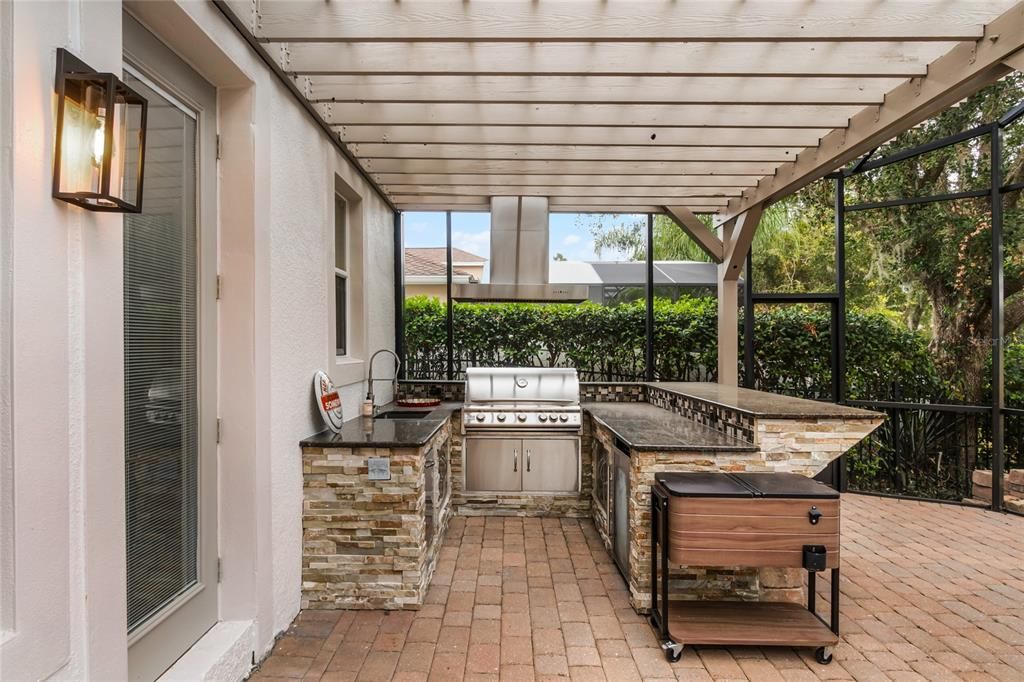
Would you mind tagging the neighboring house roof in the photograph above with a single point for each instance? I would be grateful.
(431, 261)
(437, 253)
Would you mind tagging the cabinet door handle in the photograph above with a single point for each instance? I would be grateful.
(528, 453)
(515, 460)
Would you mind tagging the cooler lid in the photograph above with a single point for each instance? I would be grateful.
(702, 484)
(786, 485)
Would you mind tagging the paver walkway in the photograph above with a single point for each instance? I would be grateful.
(931, 592)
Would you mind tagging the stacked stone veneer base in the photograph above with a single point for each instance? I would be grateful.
(364, 542)
(803, 446)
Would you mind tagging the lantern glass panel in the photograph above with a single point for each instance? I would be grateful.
(125, 151)
(82, 138)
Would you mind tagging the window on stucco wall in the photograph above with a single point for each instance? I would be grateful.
(341, 276)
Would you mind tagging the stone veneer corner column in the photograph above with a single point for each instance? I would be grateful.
(364, 544)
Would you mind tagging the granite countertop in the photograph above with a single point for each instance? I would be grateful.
(385, 433)
(643, 426)
(762, 404)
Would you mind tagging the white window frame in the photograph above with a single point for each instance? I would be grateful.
(345, 273)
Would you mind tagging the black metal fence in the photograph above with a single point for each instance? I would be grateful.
(930, 452)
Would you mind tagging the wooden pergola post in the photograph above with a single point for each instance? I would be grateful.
(728, 301)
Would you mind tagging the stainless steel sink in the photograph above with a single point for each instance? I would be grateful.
(403, 414)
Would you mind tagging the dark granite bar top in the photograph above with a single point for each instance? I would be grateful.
(385, 433)
(762, 404)
(646, 427)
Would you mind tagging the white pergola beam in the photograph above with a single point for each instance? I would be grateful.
(625, 203)
(569, 208)
(541, 181)
(539, 152)
(571, 135)
(576, 167)
(585, 115)
(601, 89)
(965, 69)
(631, 190)
(708, 242)
(860, 59)
(585, 20)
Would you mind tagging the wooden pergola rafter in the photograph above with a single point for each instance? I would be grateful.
(626, 105)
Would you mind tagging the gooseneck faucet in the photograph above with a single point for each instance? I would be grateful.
(370, 379)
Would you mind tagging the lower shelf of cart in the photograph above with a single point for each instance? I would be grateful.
(747, 624)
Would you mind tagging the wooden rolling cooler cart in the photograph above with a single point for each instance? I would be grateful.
(722, 519)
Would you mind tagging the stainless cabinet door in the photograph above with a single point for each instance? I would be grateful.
(494, 464)
(551, 465)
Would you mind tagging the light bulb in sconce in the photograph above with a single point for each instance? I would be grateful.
(99, 140)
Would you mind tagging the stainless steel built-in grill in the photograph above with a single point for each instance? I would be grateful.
(522, 427)
(544, 398)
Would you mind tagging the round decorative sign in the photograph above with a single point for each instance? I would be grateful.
(328, 400)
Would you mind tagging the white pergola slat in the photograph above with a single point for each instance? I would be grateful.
(804, 59)
(578, 167)
(564, 152)
(601, 89)
(586, 115)
(596, 135)
(498, 182)
(584, 20)
(696, 193)
(584, 198)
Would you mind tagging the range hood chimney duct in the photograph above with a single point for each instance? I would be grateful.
(519, 257)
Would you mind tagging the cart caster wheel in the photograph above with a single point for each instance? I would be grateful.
(823, 655)
(673, 651)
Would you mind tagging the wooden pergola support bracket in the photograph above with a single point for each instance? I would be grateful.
(698, 231)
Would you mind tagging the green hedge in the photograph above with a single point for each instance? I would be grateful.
(792, 348)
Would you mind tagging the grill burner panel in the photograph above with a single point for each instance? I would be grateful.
(522, 398)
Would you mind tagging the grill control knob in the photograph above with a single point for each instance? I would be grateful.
(521, 417)
(553, 417)
(501, 417)
(542, 417)
(563, 417)
(480, 417)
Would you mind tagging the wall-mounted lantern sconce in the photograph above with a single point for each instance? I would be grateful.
(100, 143)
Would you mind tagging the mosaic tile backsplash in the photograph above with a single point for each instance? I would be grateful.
(728, 421)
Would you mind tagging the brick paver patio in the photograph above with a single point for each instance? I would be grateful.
(931, 592)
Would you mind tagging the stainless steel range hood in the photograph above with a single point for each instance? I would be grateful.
(519, 257)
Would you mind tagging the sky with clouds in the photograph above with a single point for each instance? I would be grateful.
(471, 232)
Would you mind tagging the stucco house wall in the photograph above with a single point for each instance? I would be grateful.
(62, 536)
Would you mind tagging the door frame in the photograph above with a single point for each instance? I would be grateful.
(154, 645)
